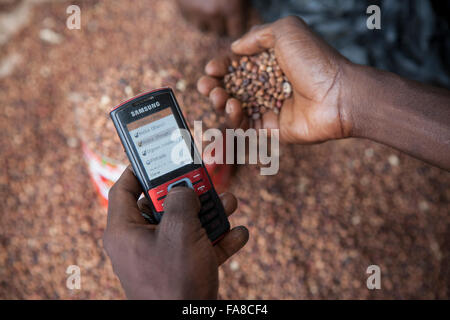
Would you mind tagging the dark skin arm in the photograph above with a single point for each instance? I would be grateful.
(172, 260)
(404, 114)
(334, 98)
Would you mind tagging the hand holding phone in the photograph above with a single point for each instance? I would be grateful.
(172, 260)
(146, 125)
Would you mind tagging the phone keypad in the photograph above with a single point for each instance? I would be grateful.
(212, 226)
(211, 215)
(197, 178)
(208, 212)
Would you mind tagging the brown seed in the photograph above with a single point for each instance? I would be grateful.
(287, 89)
(272, 103)
(279, 104)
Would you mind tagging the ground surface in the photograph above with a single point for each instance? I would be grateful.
(332, 210)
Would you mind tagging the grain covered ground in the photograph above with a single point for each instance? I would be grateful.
(331, 211)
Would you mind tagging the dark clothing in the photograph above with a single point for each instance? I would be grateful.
(414, 40)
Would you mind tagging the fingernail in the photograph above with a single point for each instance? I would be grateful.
(228, 108)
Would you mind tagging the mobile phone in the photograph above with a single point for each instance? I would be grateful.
(161, 159)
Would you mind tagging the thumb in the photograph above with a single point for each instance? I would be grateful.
(180, 218)
(258, 39)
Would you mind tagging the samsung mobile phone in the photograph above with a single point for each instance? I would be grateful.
(147, 126)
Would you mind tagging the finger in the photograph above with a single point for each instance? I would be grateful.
(181, 208)
(231, 243)
(250, 122)
(205, 84)
(270, 121)
(257, 124)
(122, 199)
(234, 113)
(218, 67)
(258, 39)
(218, 97)
(229, 202)
(144, 205)
(244, 122)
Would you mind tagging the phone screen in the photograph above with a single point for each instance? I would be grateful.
(159, 143)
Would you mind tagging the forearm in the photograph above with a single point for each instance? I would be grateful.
(403, 114)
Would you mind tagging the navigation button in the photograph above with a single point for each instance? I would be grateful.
(185, 182)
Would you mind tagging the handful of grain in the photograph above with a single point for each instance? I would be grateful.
(258, 82)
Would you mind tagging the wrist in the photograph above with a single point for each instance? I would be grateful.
(403, 114)
(363, 99)
(355, 99)
(370, 99)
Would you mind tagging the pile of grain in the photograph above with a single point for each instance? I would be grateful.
(332, 210)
